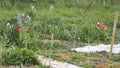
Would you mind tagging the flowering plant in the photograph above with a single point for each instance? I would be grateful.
(19, 30)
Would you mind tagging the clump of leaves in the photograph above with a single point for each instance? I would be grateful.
(116, 58)
(85, 64)
(95, 54)
(16, 56)
(77, 56)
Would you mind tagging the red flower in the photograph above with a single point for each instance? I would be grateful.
(19, 27)
(99, 25)
(28, 31)
(18, 30)
(103, 27)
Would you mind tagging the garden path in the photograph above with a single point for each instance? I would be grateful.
(56, 64)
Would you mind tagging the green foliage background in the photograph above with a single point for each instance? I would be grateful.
(69, 20)
(66, 18)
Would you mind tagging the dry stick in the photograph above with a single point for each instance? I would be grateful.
(88, 50)
(104, 2)
(114, 31)
(51, 49)
(1, 57)
(74, 43)
(88, 46)
(45, 32)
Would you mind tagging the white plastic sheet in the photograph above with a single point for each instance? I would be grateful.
(100, 47)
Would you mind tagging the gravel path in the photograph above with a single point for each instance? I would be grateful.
(56, 64)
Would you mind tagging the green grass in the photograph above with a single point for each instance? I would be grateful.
(63, 18)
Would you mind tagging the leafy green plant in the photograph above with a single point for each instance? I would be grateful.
(85, 64)
(111, 66)
(77, 56)
(16, 31)
(115, 58)
(95, 54)
(63, 59)
(16, 56)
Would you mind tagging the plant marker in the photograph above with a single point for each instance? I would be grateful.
(114, 31)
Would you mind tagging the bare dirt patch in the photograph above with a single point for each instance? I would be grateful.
(65, 55)
(1, 43)
(48, 41)
(103, 63)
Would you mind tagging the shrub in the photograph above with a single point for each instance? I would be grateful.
(16, 56)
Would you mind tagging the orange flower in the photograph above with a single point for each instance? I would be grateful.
(18, 30)
(28, 31)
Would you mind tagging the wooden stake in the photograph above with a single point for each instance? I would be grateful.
(51, 49)
(114, 31)
(45, 32)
